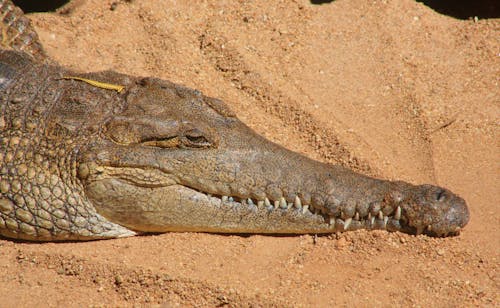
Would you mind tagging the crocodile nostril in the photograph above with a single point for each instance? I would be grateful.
(441, 195)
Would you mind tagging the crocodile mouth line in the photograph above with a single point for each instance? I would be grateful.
(334, 223)
(395, 221)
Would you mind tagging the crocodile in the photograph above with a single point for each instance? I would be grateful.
(86, 156)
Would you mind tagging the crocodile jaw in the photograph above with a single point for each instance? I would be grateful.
(152, 200)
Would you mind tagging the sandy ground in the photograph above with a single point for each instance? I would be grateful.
(389, 88)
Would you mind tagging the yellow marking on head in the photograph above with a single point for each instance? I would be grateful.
(98, 84)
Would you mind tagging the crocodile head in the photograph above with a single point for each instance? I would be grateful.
(174, 160)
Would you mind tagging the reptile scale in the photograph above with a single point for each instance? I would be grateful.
(106, 155)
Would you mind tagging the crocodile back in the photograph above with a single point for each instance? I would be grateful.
(17, 32)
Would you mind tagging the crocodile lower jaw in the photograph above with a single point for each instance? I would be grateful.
(340, 223)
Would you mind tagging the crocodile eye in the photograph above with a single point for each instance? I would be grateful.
(195, 138)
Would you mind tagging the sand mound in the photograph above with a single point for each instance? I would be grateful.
(390, 88)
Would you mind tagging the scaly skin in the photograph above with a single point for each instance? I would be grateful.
(17, 33)
(82, 161)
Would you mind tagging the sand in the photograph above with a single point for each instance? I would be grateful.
(390, 88)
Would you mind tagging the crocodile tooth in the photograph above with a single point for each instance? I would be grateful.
(267, 202)
(397, 216)
(231, 199)
(283, 204)
(224, 198)
(429, 228)
(297, 202)
(332, 221)
(209, 195)
(347, 223)
(289, 206)
(369, 216)
(372, 220)
(260, 203)
(356, 216)
(250, 201)
(276, 204)
(386, 219)
(419, 230)
(380, 215)
(305, 208)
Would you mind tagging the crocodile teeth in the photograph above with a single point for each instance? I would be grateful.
(260, 203)
(283, 204)
(386, 219)
(356, 216)
(369, 216)
(305, 208)
(224, 198)
(347, 223)
(250, 202)
(380, 215)
(276, 204)
(267, 202)
(231, 199)
(397, 216)
(289, 206)
(429, 228)
(297, 202)
(332, 221)
(372, 220)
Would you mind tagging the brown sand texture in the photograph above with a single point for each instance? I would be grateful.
(389, 88)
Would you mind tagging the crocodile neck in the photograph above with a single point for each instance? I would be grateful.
(42, 130)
